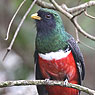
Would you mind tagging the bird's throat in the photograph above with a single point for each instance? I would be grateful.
(51, 41)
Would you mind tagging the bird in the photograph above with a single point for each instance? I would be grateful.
(57, 55)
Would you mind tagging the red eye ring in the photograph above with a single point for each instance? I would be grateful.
(48, 16)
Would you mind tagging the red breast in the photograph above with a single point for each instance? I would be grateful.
(59, 69)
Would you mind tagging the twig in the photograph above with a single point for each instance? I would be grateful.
(74, 21)
(78, 40)
(77, 14)
(92, 17)
(45, 4)
(86, 45)
(77, 35)
(81, 7)
(8, 30)
(45, 82)
(67, 12)
(59, 8)
(82, 31)
(18, 28)
(70, 10)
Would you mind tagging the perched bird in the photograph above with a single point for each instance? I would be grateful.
(57, 55)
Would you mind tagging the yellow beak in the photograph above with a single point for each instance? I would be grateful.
(35, 16)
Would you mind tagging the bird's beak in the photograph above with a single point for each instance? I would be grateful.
(35, 16)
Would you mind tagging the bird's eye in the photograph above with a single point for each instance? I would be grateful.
(48, 16)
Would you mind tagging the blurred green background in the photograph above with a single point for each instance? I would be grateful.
(19, 64)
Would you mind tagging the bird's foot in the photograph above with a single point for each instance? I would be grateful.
(47, 80)
(66, 82)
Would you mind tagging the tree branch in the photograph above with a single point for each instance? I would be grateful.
(92, 17)
(71, 17)
(81, 30)
(59, 8)
(18, 28)
(45, 4)
(82, 6)
(70, 10)
(14, 18)
(46, 82)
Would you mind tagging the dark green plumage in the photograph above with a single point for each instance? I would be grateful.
(52, 37)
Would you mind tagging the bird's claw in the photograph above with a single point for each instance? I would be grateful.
(65, 82)
(47, 80)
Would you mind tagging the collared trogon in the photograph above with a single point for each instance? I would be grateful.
(57, 55)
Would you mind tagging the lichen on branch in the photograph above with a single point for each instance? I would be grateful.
(46, 82)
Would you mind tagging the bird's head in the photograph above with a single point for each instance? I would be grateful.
(47, 20)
